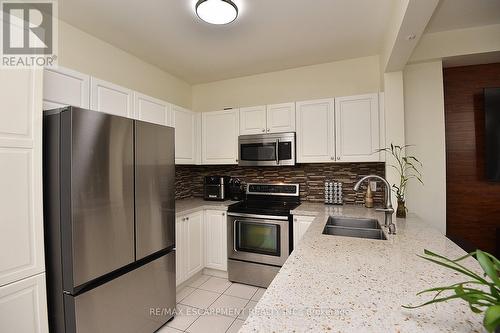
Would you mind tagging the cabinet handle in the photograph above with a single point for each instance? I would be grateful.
(183, 219)
(187, 218)
(295, 220)
(338, 158)
(268, 129)
(263, 130)
(332, 158)
(223, 214)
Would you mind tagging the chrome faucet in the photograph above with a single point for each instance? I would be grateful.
(388, 210)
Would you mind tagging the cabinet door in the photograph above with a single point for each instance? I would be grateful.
(180, 250)
(23, 306)
(151, 109)
(185, 135)
(315, 131)
(357, 134)
(220, 131)
(21, 221)
(195, 243)
(300, 226)
(111, 98)
(281, 118)
(62, 87)
(216, 239)
(253, 120)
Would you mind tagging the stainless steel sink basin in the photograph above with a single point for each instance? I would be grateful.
(354, 227)
(355, 232)
(352, 222)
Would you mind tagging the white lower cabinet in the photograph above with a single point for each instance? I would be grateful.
(196, 241)
(180, 251)
(300, 226)
(189, 243)
(216, 239)
(23, 306)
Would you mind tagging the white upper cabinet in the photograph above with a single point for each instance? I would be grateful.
(315, 131)
(23, 303)
(111, 98)
(21, 221)
(220, 131)
(253, 120)
(281, 118)
(151, 109)
(357, 128)
(62, 87)
(187, 135)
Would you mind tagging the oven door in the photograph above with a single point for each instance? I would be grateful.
(259, 239)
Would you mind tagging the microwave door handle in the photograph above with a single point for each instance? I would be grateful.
(234, 236)
(277, 151)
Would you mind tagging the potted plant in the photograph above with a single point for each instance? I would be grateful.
(407, 167)
(481, 292)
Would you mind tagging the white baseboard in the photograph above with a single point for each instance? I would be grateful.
(215, 272)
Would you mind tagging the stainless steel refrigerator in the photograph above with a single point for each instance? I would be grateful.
(109, 217)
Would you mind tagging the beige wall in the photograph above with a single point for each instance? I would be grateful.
(87, 54)
(457, 42)
(424, 127)
(394, 120)
(340, 78)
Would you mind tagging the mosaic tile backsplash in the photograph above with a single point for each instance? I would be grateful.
(311, 177)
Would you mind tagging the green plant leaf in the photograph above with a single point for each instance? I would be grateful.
(437, 300)
(492, 318)
(452, 265)
(487, 266)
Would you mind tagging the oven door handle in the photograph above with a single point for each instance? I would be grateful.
(234, 236)
(257, 216)
(277, 151)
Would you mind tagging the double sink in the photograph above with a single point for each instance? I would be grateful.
(354, 227)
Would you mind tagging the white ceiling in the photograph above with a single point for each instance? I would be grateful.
(268, 35)
(459, 14)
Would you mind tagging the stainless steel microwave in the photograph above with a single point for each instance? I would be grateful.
(266, 149)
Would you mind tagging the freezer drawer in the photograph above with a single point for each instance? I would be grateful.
(154, 188)
(140, 301)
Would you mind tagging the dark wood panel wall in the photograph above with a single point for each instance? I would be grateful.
(473, 204)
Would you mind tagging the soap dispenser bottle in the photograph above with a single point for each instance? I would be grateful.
(369, 197)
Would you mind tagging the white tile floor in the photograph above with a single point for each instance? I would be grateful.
(212, 305)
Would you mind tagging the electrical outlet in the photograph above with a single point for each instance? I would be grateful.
(373, 185)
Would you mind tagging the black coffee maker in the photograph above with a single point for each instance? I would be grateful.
(235, 189)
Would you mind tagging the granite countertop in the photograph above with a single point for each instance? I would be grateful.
(343, 284)
(191, 205)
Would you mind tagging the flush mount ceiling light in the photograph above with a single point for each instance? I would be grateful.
(216, 11)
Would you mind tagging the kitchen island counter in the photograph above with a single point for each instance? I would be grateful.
(343, 284)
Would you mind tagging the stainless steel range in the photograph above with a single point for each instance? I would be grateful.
(260, 232)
